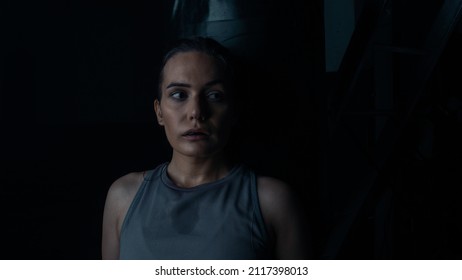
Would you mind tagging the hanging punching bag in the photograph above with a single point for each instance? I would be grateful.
(238, 24)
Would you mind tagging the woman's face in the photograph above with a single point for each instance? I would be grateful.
(195, 108)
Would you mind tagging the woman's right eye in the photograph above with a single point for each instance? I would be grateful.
(178, 95)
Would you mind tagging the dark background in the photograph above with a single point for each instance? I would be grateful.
(371, 144)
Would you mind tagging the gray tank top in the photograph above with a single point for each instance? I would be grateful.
(218, 220)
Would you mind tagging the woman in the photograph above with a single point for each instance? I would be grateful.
(200, 205)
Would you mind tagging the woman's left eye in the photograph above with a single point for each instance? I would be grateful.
(215, 96)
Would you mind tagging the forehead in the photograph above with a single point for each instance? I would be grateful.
(192, 65)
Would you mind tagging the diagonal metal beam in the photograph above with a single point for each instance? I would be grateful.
(413, 88)
(356, 55)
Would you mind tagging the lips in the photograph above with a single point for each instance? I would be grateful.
(193, 132)
(196, 134)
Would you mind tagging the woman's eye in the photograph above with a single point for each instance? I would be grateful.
(179, 95)
(216, 96)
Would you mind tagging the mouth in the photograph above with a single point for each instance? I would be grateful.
(196, 134)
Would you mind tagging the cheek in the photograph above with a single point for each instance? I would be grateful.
(170, 133)
(169, 121)
(171, 113)
(169, 124)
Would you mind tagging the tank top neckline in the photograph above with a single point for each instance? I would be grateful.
(170, 184)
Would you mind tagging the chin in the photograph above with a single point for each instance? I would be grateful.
(199, 152)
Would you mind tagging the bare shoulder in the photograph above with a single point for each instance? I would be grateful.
(121, 194)
(271, 188)
(126, 186)
(118, 200)
(274, 195)
(282, 214)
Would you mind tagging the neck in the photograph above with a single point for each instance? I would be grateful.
(188, 172)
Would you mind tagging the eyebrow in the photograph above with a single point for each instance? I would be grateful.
(178, 85)
(211, 83)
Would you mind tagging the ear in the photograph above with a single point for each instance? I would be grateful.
(158, 111)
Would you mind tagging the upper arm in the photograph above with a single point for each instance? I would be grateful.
(284, 218)
(110, 238)
(118, 200)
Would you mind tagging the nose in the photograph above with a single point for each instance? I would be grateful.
(198, 109)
